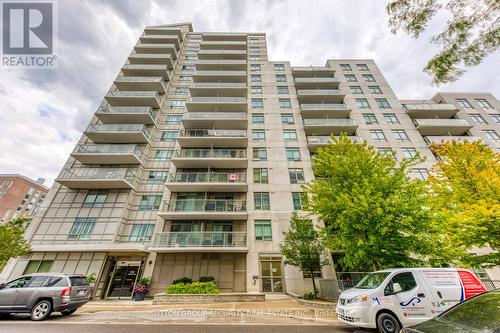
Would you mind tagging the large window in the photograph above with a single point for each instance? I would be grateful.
(356, 90)
(157, 177)
(293, 154)
(260, 176)
(362, 103)
(279, 67)
(421, 173)
(496, 117)
(368, 78)
(477, 119)
(181, 90)
(256, 90)
(409, 152)
(350, 78)
(257, 118)
(463, 103)
(168, 135)
(150, 202)
(283, 90)
(95, 198)
(382, 103)
(259, 153)
(263, 230)
(82, 228)
(390, 118)
(369, 118)
(280, 78)
(483, 103)
(38, 266)
(163, 155)
(362, 67)
(261, 201)
(254, 67)
(257, 103)
(177, 103)
(141, 232)
(285, 103)
(296, 176)
(374, 90)
(287, 118)
(345, 67)
(297, 198)
(405, 280)
(258, 135)
(256, 78)
(400, 135)
(491, 135)
(174, 119)
(289, 135)
(377, 135)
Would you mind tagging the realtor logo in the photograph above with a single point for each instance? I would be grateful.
(28, 34)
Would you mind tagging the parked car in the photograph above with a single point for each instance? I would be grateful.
(41, 294)
(392, 299)
(480, 313)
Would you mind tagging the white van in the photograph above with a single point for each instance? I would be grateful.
(394, 298)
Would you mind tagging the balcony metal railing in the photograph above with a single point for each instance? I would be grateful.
(98, 173)
(213, 133)
(200, 239)
(207, 177)
(210, 153)
(119, 128)
(109, 149)
(215, 115)
(205, 205)
(217, 100)
(328, 106)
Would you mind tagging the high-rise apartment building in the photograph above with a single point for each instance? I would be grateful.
(20, 196)
(193, 163)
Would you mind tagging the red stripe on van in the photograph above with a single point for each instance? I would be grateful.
(471, 284)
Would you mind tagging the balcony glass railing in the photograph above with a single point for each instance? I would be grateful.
(219, 85)
(318, 92)
(329, 106)
(221, 72)
(145, 66)
(109, 149)
(128, 109)
(98, 173)
(316, 79)
(424, 106)
(118, 128)
(213, 133)
(120, 93)
(207, 177)
(123, 78)
(210, 153)
(215, 115)
(446, 138)
(441, 122)
(329, 122)
(312, 69)
(205, 205)
(217, 100)
(200, 239)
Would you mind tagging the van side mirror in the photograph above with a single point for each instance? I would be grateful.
(396, 288)
(2, 285)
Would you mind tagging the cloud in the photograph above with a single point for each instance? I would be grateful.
(44, 112)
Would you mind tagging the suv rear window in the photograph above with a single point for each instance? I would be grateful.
(78, 281)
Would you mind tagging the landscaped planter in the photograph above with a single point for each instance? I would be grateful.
(162, 299)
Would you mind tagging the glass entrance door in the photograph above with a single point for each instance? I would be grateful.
(270, 272)
(123, 280)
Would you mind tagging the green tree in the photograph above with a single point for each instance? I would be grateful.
(302, 247)
(470, 35)
(12, 242)
(373, 212)
(465, 184)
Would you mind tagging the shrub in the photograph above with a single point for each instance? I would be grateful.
(309, 295)
(206, 279)
(184, 280)
(193, 288)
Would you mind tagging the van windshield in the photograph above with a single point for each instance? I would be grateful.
(372, 280)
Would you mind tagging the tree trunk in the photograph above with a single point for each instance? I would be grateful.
(314, 284)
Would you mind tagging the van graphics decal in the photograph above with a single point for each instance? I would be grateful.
(471, 284)
(412, 302)
(382, 300)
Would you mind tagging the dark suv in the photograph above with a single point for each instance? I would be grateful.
(43, 293)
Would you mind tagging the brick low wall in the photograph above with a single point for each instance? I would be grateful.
(163, 299)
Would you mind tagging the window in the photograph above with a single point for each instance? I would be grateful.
(256, 78)
(382, 103)
(174, 118)
(345, 67)
(176, 103)
(491, 135)
(157, 177)
(279, 67)
(256, 90)
(287, 118)
(290, 135)
(257, 103)
(409, 152)
(185, 78)
(254, 58)
(400, 135)
(261, 201)
(293, 154)
(38, 266)
(483, 103)
(163, 155)
(285, 103)
(263, 230)
(259, 153)
(387, 152)
(463, 103)
(421, 173)
(191, 57)
(405, 280)
(477, 119)
(254, 49)
(356, 90)
(141, 232)
(260, 176)
(254, 41)
(377, 135)
(362, 67)
(257, 118)
(168, 135)
(258, 135)
(496, 116)
(350, 78)
(188, 67)
(19, 283)
(368, 78)
(280, 78)
(369, 118)
(374, 89)
(390, 118)
(150, 202)
(181, 90)
(297, 200)
(254, 67)
(82, 228)
(296, 176)
(95, 198)
(362, 103)
(283, 90)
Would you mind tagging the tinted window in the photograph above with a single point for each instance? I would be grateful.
(405, 280)
(78, 281)
(38, 281)
(19, 283)
(55, 281)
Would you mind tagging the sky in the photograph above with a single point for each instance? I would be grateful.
(43, 112)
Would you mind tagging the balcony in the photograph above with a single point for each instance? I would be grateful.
(145, 70)
(221, 120)
(155, 59)
(127, 115)
(222, 54)
(210, 158)
(113, 133)
(316, 83)
(314, 142)
(141, 83)
(97, 178)
(329, 126)
(221, 65)
(210, 181)
(108, 153)
(223, 45)
(192, 138)
(442, 126)
(175, 31)
(169, 49)
(160, 39)
(440, 139)
(330, 110)
(224, 36)
(220, 76)
(429, 111)
(201, 241)
(203, 209)
(133, 98)
(228, 89)
(320, 96)
(217, 104)
(313, 71)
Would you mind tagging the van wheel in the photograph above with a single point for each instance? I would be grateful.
(41, 310)
(68, 312)
(387, 323)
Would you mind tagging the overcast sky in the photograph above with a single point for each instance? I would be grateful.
(43, 112)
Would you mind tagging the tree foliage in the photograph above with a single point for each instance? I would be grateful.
(302, 247)
(373, 212)
(470, 35)
(465, 186)
(12, 242)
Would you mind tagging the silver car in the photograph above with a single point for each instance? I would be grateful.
(41, 294)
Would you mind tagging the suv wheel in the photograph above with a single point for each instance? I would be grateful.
(387, 323)
(41, 310)
(68, 312)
